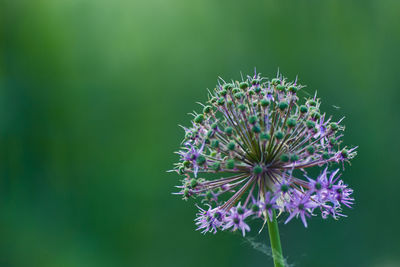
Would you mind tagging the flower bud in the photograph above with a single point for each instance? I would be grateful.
(303, 109)
(332, 141)
(215, 144)
(284, 157)
(223, 92)
(240, 210)
(253, 119)
(201, 160)
(283, 105)
(256, 129)
(293, 89)
(291, 122)
(255, 208)
(275, 81)
(345, 153)
(186, 193)
(207, 109)
(193, 183)
(318, 186)
(229, 130)
(310, 149)
(334, 126)
(243, 85)
(230, 164)
(310, 124)
(242, 107)
(239, 95)
(264, 102)
(281, 88)
(315, 115)
(311, 103)
(265, 136)
(216, 166)
(294, 158)
(279, 135)
(199, 118)
(221, 101)
(228, 86)
(284, 188)
(231, 146)
(257, 169)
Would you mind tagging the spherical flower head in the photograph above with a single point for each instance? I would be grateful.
(255, 140)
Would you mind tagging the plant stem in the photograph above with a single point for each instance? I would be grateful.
(275, 241)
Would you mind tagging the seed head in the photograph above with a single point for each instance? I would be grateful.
(256, 138)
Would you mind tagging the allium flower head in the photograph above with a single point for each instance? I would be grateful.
(247, 152)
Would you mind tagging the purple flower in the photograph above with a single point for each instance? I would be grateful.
(209, 220)
(252, 143)
(193, 155)
(269, 204)
(235, 219)
(301, 204)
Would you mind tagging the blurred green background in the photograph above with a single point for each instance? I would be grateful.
(91, 93)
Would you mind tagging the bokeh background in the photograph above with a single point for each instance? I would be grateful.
(91, 93)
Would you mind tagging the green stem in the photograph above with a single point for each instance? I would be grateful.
(275, 241)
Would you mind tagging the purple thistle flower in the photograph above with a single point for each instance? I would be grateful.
(253, 143)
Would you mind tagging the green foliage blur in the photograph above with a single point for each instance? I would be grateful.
(91, 93)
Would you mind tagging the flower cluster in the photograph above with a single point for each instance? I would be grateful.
(247, 154)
